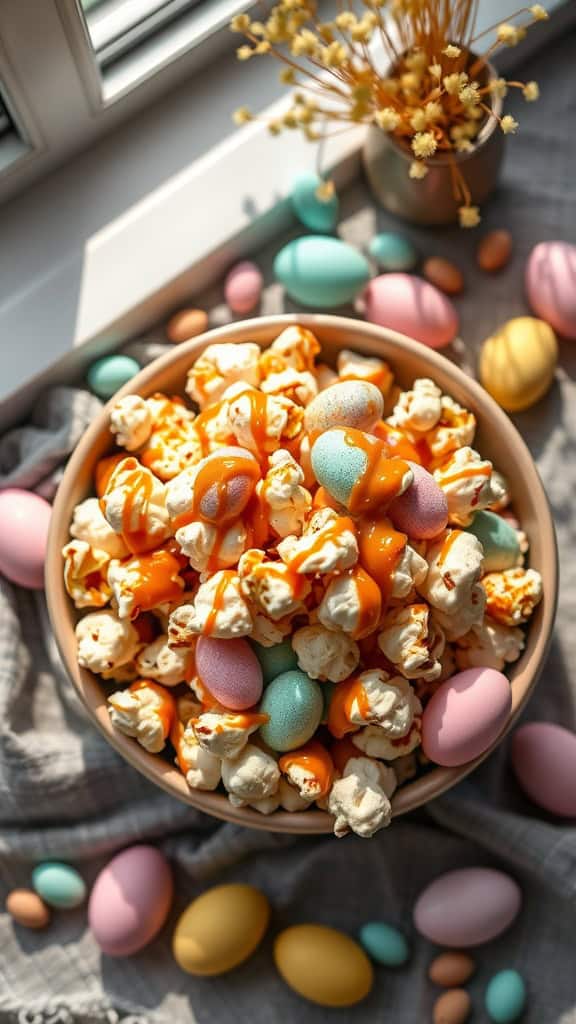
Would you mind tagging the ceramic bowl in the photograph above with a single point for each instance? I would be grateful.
(497, 439)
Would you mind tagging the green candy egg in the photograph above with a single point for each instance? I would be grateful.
(499, 540)
(316, 214)
(385, 944)
(59, 885)
(294, 705)
(321, 272)
(505, 997)
(336, 464)
(110, 373)
(275, 660)
(393, 252)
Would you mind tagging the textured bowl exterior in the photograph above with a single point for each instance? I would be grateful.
(497, 439)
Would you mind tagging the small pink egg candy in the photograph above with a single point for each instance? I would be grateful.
(544, 762)
(550, 285)
(24, 522)
(230, 670)
(227, 479)
(411, 306)
(130, 900)
(465, 716)
(422, 511)
(243, 287)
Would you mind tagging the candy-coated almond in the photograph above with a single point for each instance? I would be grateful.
(187, 323)
(444, 274)
(27, 909)
(450, 970)
(452, 1007)
(494, 251)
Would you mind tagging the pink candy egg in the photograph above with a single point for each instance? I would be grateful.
(411, 306)
(233, 485)
(230, 670)
(24, 521)
(544, 762)
(467, 907)
(465, 716)
(551, 285)
(422, 511)
(243, 287)
(130, 900)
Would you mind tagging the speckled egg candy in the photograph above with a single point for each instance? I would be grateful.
(550, 278)
(232, 474)
(518, 361)
(385, 944)
(320, 271)
(338, 465)
(393, 252)
(351, 403)
(243, 287)
(24, 522)
(275, 660)
(323, 965)
(294, 705)
(465, 716)
(230, 670)
(220, 929)
(544, 762)
(110, 373)
(505, 998)
(411, 306)
(498, 539)
(59, 885)
(467, 907)
(422, 511)
(130, 900)
(317, 214)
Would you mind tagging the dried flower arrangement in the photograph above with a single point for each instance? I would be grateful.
(432, 93)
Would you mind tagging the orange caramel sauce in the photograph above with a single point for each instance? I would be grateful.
(341, 751)
(158, 582)
(381, 547)
(370, 598)
(218, 602)
(382, 479)
(399, 445)
(244, 720)
(446, 546)
(138, 484)
(322, 499)
(167, 709)
(332, 532)
(104, 469)
(314, 758)
(464, 474)
(215, 475)
(345, 694)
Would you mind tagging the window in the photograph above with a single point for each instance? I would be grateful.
(13, 145)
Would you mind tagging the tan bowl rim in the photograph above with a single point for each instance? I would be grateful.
(410, 795)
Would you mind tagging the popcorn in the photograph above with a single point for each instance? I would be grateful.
(290, 798)
(200, 768)
(262, 423)
(296, 348)
(373, 698)
(373, 741)
(410, 571)
(359, 801)
(411, 642)
(134, 506)
(174, 442)
(105, 642)
(144, 582)
(352, 602)
(353, 366)
(310, 769)
(325, 376)
(219, 610)
(285, 501)
(455, 429)
(210, 547)
(452, 585)
(419, 410)
(327, 544)
(222, 365)
(501, 485)
(268, 633)
(123, 674)
(325, 655)
(130, 422)
(89, 525)
(271, 588)
(252, 776)
(467, 481)
(299, 386)
(167, 665)
(489, 645)
(225, 733)
(145, 711)
(84, 574)
(267, 805)
(512, 595)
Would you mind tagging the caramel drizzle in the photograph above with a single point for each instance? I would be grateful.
(345, 695)
(329, 533)
(381, 547)
(466, 473)
(218, 602)
(138, 484)
(383, 478)
(313, 758)
(370, 601)
(216, 475)
(158, 582)
(245, 720)
(397, 444)
(446, 546)
(104, 469)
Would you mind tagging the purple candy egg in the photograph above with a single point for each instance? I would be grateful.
(230, 670)
(227, 497)
(422, 511)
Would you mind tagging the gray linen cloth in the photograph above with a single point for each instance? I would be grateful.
(65, 794)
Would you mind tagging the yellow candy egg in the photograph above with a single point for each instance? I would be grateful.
(220, 929)
(323, 965)
(517, 363)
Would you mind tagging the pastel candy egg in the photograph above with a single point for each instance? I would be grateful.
(517, 363)
(130, 900)
(411, 306)
(353, 403)
(275, 660)
(27, 909)
(451, 969)
(550, 277)
(505, 998)
(341, 458)
(294, 705)
(385, 944)
(323, 965)
(422, 511)
(336, 464)
(498, 539)
(315, 213)
(544, 762)
(494, 251)
(24, 522)
(465, 716)
(243, 287)
(452, 1007)
(59, 885)
(393, 252)
(230, 670)
(467, 907)
(187, 323)
(444, 274)
(320, 271)
(220, 929)
(110, 373)
(224, 483)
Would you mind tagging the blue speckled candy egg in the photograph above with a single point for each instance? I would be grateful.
(336, 464)
(349, 403)
(59, 885)
(321, 272)
(275, 660)
(317, 214)
(393, 252)
(294, 705)
(108, 374)
(505, 997)
(385, 944)
(499, 540)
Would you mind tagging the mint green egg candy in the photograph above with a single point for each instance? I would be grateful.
(505, 998)
(110, 373)
(321, 272)
(275, 660)
(336, 464)
(59, 885)
(499, 540)
(294, 705)
(393, 252)
(385, 944)
(317, 214)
